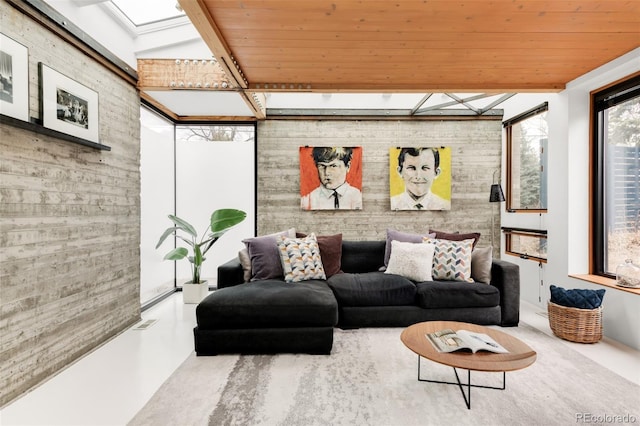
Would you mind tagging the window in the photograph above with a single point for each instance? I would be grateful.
(142, 12)
(527, 137)
(615, 182)
(526, 243)
(215, 167)
(216, 133)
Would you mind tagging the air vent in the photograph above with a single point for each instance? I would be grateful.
(145, 324)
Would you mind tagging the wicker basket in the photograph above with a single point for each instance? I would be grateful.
(574, 324)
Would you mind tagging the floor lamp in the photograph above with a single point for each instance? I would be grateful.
(496, 196)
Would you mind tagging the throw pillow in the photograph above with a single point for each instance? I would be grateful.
(577, 298)
(451, 259)
(245, 261)
(405, 237)
(411, 260)
(301, 259)
(481, 259)
(264, 255)
(457, 236)
(330, 252)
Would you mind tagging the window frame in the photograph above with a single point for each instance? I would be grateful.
(508, 126)
(533, 233)
(602, 99)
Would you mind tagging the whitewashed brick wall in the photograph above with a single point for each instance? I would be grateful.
(69, 222)
(475, 150)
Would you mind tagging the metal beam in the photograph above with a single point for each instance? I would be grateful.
(290, 112)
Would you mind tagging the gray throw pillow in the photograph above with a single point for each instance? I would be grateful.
(481, 259)
(265, 256)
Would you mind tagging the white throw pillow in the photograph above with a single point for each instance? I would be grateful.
(411, 260)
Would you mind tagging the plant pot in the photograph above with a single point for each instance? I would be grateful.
(194, 293)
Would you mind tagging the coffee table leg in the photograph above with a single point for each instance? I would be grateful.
(467, 395)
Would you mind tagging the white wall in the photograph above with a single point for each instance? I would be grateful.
(156, 202)
(567, 220)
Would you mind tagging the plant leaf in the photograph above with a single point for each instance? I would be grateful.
(209, 243)
(165, 234)
(186, 240)
(176, 254)
(223, 219)
(184, 225)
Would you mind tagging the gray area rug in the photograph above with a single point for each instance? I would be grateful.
(370, 378)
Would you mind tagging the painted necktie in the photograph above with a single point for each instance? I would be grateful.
(336, 201)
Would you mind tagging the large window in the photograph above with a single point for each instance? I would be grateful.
(190, 171)
(215, 169)
(527, 137)
(616, 176)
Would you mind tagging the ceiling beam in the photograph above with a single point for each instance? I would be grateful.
(212, 36)
(210, 33)
(380, 113)
(183, 74)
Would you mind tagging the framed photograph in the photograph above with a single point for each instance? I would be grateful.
(420, 178)
(14, 79)
(67, 106)
(330, 178)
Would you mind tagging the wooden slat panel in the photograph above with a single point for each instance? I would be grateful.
(328, 6)
(461, 45)
(404, 39)
(164, 74)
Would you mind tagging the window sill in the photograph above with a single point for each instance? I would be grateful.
(607, 282)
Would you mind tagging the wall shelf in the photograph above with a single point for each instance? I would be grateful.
(36, 127)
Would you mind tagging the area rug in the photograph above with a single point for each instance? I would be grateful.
(370, 378)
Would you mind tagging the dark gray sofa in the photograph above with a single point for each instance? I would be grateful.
(271, 316)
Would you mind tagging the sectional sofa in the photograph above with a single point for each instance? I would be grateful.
(362, 286)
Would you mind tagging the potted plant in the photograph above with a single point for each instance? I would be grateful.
(221, 221)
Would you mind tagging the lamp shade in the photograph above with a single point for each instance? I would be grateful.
(496, 195)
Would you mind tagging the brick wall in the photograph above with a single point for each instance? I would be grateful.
(475, 151)
(69, 222)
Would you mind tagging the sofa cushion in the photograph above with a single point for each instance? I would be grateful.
(269, 304)
(411, 260)
(372, 289)
(447, 294)
(300, 259)
(264, 255)
(362, 256)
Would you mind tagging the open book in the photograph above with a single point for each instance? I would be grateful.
(449, 341)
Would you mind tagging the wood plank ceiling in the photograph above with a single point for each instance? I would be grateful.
(414, 45)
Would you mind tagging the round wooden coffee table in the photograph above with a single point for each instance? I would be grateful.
(520, 354)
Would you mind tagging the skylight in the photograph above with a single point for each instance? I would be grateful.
(142, 12)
